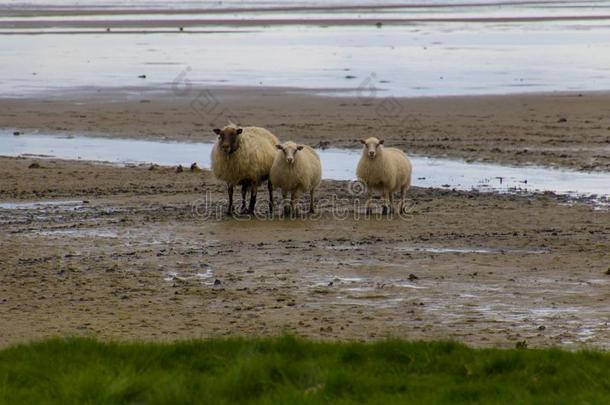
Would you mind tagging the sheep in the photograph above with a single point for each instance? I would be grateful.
(385, 169)
(243, 156)
(296, 168)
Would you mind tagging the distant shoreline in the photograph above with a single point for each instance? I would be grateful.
(65, 10)
(195, 23)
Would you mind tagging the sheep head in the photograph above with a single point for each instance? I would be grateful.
(290, 150)
(371, 146)
(228, 138)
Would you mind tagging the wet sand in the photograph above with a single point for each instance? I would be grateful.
(570, 130)
(134, 253)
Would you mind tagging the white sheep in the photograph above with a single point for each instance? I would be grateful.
(243, 156)
(296, 169)
(384, 169)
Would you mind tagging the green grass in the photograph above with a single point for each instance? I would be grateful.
(291, 370)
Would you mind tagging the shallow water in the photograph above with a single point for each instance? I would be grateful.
(79, 233)
(338, 164)
(442, 249)
(64, 205)
(203, 277)
(418, 57)
(482, 250)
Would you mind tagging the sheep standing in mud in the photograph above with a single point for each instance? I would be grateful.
(385, 169)
(243, 156)
(296, 169)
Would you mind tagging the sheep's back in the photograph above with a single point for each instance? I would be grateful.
(402, 167)
(263, 133)
(251, 161)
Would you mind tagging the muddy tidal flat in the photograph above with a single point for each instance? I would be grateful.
(130, 252)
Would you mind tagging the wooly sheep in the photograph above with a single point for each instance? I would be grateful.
(296, 169)
(243, 156)
(384, 169)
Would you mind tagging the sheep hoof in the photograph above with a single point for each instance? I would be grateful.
(368, 211)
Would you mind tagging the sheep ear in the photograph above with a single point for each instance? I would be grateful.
(280, 147)
(239, 131)
(362, 141)
(216, 131)
(300, 147)
(381, 142)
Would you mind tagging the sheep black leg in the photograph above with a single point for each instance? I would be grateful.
(253, 190)
(230, 209)
(244, 194)
(367, 206)
(293, 203)
(270, 187)
(387, 203)
(285, 203)
(311, 208)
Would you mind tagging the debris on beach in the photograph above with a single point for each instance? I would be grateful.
(323, 145)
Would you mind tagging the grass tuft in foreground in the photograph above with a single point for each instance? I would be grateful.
(293, 370)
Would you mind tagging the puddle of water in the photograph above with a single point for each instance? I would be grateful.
(349, 279)
(483, 250)
(343, 247)
(173, 275)
(586, 334)
(409, 285)
(79, 233)
(337, 164)
(359, 289)
(65, 205)
(550, 312)
(380, 302)
(440, 249)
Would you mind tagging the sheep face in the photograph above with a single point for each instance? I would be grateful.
(371, 146)
(228, 138)
(289, 149)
